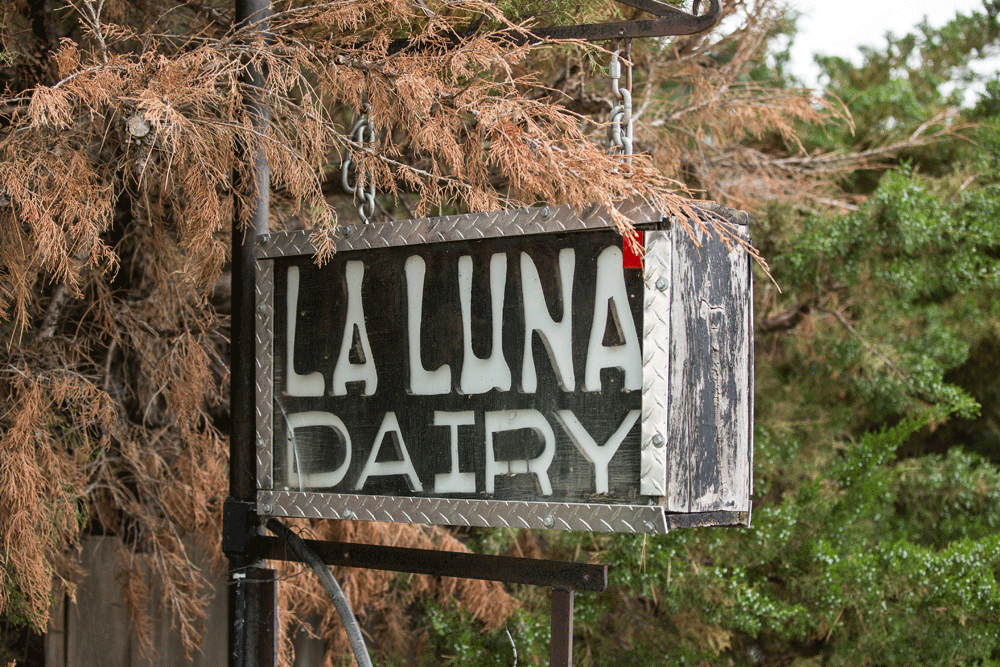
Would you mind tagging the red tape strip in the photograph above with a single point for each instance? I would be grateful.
(632, 253)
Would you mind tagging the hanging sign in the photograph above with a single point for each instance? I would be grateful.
(506, 369)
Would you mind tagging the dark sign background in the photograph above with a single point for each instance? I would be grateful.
(322, 312)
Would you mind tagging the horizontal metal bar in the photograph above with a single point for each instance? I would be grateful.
(575, 576)
(670, 22)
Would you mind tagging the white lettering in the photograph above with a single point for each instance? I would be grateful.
(454, 481)
(556, 337)
(345, 371)
(295, 384)
(628, 356)
(513, 420)
(420, 381)
(404, 466)
(599, 455)
(313, 480)
(481, 375)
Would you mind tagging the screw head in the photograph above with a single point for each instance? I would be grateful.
(658, 440)
(262, 239)
(548, 521)
(260, 443)
(661, 283)
(267, 508)
(261, 308)
(350, 515)
(545, 213)
(649, 526)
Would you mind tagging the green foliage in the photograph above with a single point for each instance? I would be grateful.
(905, 92)
(457, 639)
(848, 565)
(903, 288)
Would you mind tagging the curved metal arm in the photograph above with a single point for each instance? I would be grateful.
(669, 21)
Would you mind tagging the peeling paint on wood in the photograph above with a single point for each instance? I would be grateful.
(710, 448)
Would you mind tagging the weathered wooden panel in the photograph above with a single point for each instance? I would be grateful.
(710, 446)
(96, 630)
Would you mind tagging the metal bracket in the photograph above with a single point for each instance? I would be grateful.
(670, 21)
(530, 571)
(240, 526)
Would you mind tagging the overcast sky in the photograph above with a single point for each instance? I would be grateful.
(838, 27)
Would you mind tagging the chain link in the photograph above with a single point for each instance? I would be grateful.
(363, 132)
(620, 129)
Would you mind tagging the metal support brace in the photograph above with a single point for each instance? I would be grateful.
(670, 21)
(561, 647)
(530, 571)
(565, 578)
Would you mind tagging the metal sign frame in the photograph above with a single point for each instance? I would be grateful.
(667, 509)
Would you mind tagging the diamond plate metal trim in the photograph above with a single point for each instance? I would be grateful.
(655, 363)
(264, 337)
(453, 512)
(471, 226)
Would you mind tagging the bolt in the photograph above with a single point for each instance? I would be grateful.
(267, 508)
(260, 443)
(262, 239)
(350, 515)
(658, 440)
(347, 232)
(649, 526)
(545, 213)
(548, 521)
(261, 308)
(661, 284)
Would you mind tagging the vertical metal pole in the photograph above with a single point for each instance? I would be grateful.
(251, 590)
(561, 647)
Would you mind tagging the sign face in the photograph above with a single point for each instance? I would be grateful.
(504, 371)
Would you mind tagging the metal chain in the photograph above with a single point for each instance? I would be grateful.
(363, 133)
(620, 130)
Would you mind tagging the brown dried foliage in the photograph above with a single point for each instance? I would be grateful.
(383, 601)
(117, 195)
